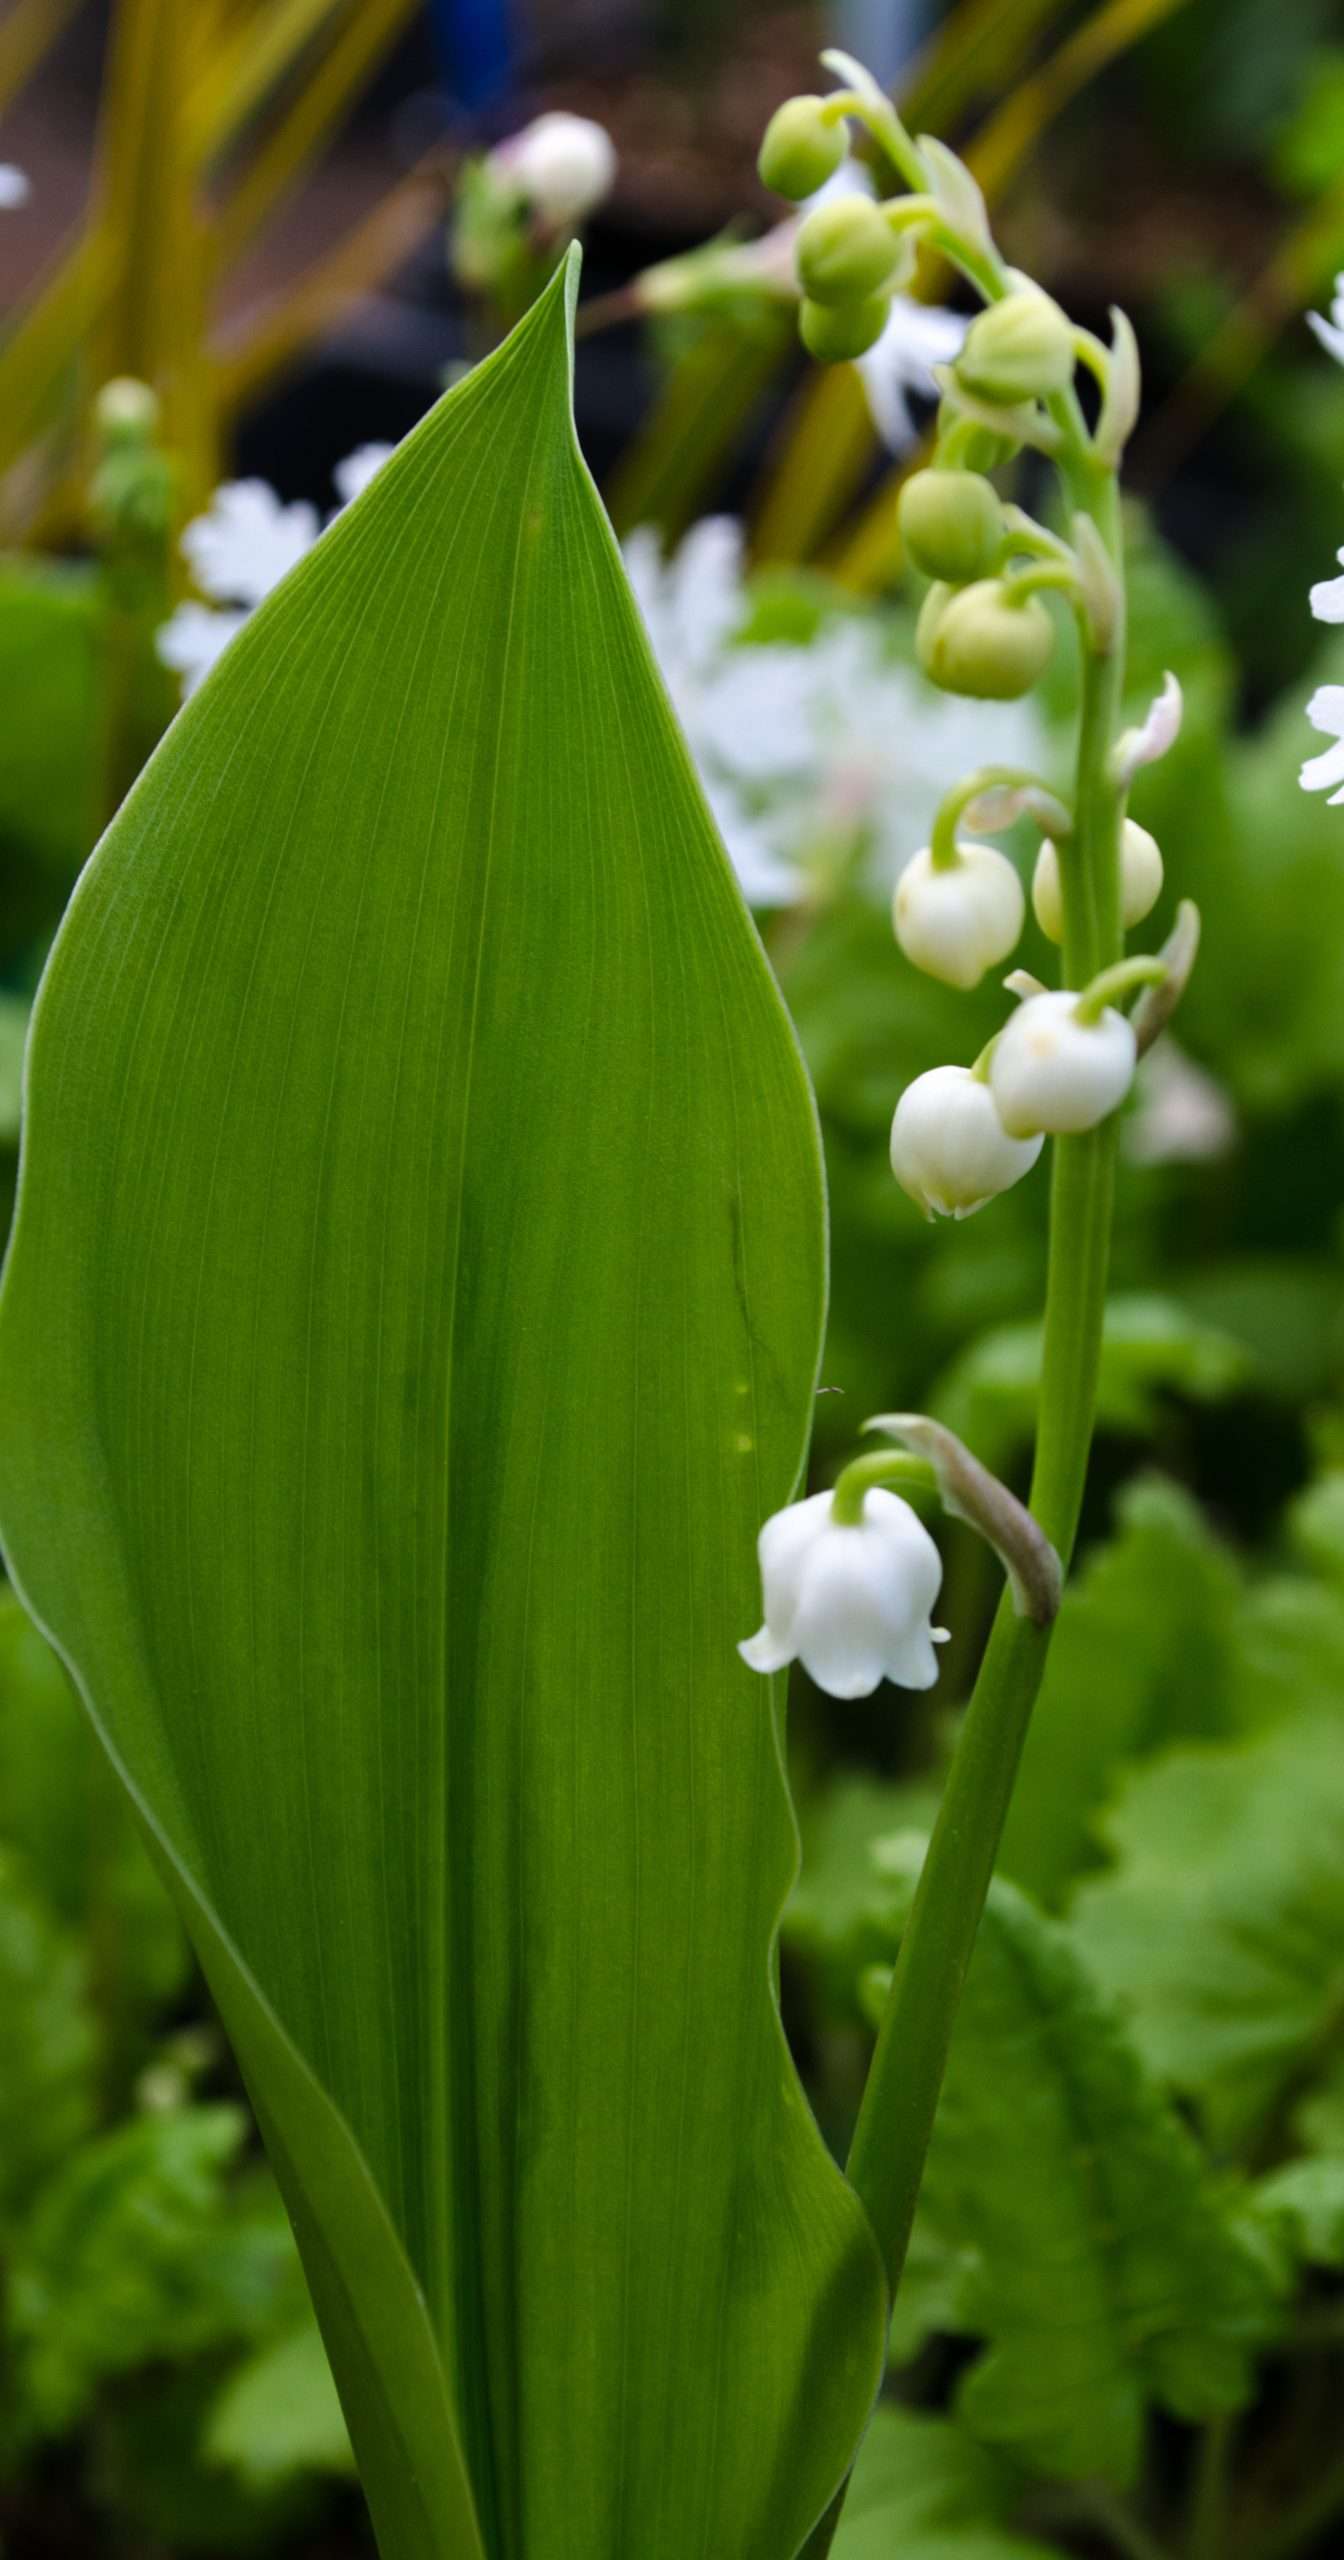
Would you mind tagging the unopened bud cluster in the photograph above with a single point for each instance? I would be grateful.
(849, 1580)
(985, 630)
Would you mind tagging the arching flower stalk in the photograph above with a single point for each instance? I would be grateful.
(1061, 1065)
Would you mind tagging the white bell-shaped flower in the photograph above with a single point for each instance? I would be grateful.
(1051, 1071)
(957, 919)
(564, 165)
(949, 1148)
(851, 1603)
(1140, 880)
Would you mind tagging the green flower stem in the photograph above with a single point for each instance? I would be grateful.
(990, 777)
(888, 1468)
(891, 2138)
(1044, 574)
(1113, 985)
(865, 98)
(1023, 534)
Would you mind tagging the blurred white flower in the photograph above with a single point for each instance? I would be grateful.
(563, 164)
(1326, 708)
(888, 747)
(851, 1603)
(1331, 331)
(351, 478)
(247, 541)
(1181, 1114)
(244, 544)
(194, 637)
(1327, 597)
(1325, 711)
(918, 335)
(806, 751)
(743, 710)
(14, 187)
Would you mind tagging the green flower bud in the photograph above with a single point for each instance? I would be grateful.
(951, 525)
(846, 251)
(834, 335)
(1019, 349)
(802, 148)
(985, 642)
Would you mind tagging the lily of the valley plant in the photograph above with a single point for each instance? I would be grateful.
(413, 1320)
(849, 1581)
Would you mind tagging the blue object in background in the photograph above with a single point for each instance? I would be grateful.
(882, 34)
(474, 43)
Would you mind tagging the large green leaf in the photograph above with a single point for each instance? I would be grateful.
(1236, 1850)
(1142, 1656)
(413, 1310)
(134, 2255)
(50, 2049)
(925, 2490)
(1082, 2234)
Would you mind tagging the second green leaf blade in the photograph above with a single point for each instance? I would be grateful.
(412, 1314)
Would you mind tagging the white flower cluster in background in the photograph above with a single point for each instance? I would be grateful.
(804, 749)
(1325, 711)
(244, 544)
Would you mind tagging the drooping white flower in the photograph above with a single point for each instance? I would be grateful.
(955, 920)
(949, 1148)
(1325, 711)
(851, 1603)
(1050, 1071)
(1140, 880)
(1182, 1115)
(14, 187)
(563, 164)
(1331, 331)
